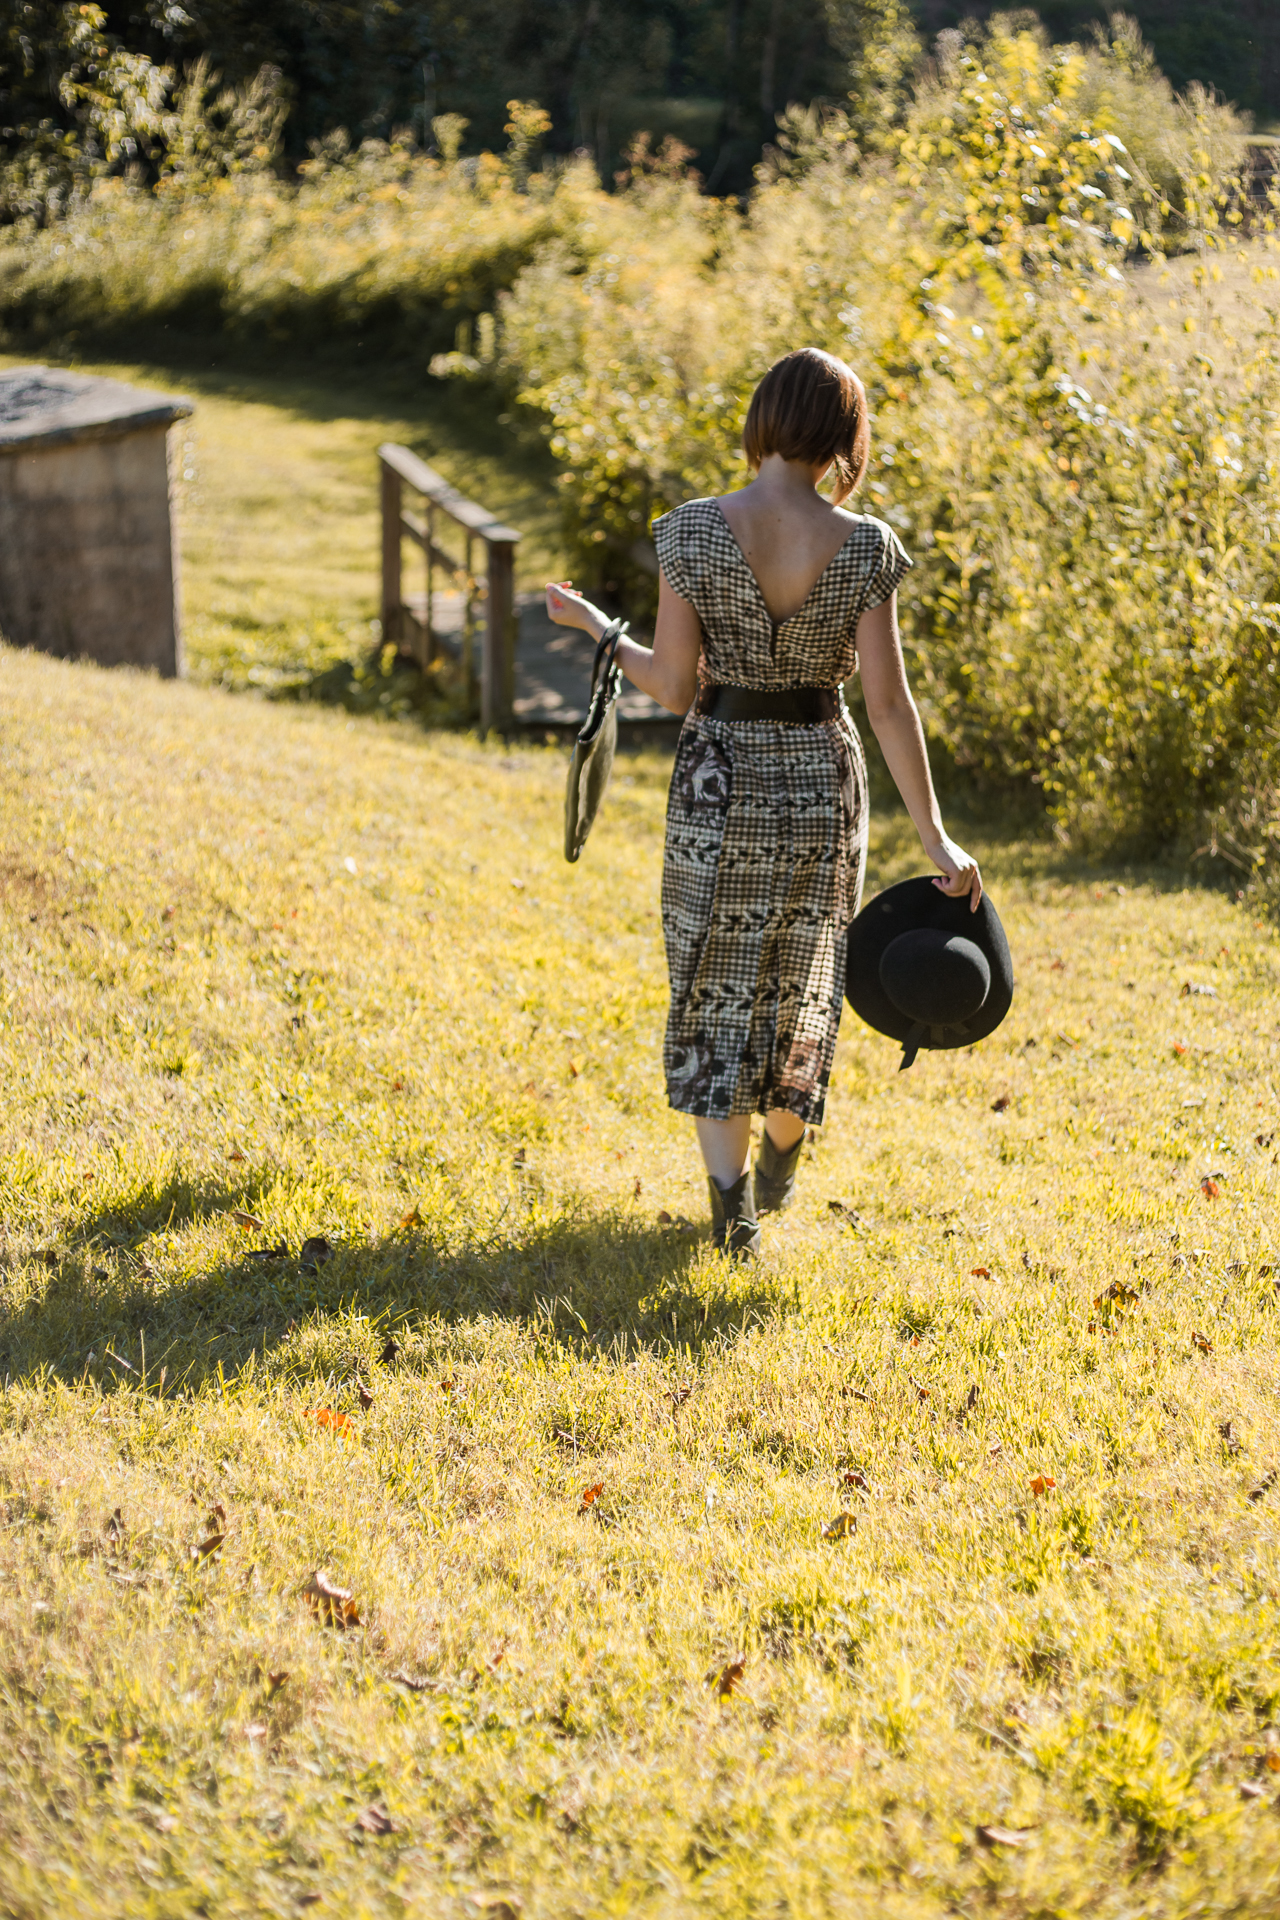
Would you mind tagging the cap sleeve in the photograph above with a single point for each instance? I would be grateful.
(669, 539)
(892, 568)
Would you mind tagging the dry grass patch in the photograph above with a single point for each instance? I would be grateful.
(269, 975)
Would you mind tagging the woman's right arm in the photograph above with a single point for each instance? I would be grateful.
(667, 672)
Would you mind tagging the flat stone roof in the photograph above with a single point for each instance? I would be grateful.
(45, 406)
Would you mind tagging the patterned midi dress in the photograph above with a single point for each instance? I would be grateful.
(766, 828)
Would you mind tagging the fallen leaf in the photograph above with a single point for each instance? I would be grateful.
(366, 1398)
(332, 1606)
(857, 1478)
(729, 1676)
(520, 1157)
(375, 1820)
(1229, 1435)
(992, 1451)
(275, 1681)
(1000, 1104)
(235, 1154)
(502, 1906)
(1043, 1483)
(577, 1064)
(590, 1495)
(1178, 1050)
(416, 1683)
(678, 1395)
(1002, 1836)
(249, 1221)
(411, 1219)
(449, 1382)
(115, 1525)
(980, 1273)
(1273, 1761)
(845, 1212)
(1198, 1340)
(326, 1417)
(664, 1218)
(314, 1252)
(1264, 1487)
(1263, 1139)
(841, 1527)
(922, 1392)
(206, 1547)
(279, 1252)
(390, 1348)
(1210, 1188)
(971, 1398)
(637, 1187)
(1250, 1790)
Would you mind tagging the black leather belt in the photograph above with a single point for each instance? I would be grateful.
(794, 706)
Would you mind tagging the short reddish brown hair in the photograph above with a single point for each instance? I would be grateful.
(811, 407)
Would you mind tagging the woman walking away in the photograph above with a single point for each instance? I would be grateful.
(767, 599)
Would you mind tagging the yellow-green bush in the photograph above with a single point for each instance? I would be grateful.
(1091, 504)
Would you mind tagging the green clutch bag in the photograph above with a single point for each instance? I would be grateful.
(595, 746)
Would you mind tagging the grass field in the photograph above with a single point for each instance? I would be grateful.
(270, 974)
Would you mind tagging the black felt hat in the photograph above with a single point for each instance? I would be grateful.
(925, 970)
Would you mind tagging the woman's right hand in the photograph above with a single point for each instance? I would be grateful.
(570, 609)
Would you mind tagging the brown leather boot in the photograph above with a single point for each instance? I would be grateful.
(733, 1219)
(776, 1175)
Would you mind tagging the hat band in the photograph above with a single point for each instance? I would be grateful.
(937, 1035)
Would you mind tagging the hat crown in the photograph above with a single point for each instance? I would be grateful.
(938, 979)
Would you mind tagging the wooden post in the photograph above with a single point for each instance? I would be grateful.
(391, 488)
(497, 694)
(428, 554)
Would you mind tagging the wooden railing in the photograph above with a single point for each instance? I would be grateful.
(407, 617)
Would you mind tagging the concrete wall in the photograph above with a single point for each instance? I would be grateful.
(87, 554)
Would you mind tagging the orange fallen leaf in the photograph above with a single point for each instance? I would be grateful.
(857, 1478)
(664, 1218)
(980, 1273)
(411, 1219)
(1273, 1761)
(249, 1221)
(729, 1676)
(590, 1495)
(327, 1418)
(449, 1382)
(333, 1606)
(1198, 1340)
(1210, 1188)
(235, 1154)
(841, 1527)
(1043, 1483)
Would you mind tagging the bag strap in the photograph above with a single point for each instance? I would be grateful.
(608, 645)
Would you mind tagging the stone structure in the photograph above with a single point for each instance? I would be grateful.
(87, 555)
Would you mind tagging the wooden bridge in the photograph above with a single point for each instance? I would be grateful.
(522, 671)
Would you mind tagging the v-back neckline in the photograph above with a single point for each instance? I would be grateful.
(777, 625)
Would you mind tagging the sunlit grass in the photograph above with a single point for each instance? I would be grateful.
(337, 978)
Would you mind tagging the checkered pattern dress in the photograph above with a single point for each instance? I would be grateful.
(766, 828)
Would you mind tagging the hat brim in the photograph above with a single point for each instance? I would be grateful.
(901, 909)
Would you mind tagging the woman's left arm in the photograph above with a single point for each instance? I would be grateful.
(896, 725)
(667, 672)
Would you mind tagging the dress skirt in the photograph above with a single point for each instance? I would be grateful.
(765, 853)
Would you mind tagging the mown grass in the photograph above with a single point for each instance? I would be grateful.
(267, 960)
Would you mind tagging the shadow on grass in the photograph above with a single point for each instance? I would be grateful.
(589, 1282)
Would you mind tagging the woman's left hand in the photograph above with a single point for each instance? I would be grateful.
(959, 871)
(570, 609)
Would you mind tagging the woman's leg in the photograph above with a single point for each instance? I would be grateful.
(725, 1146)
(783, 1127)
